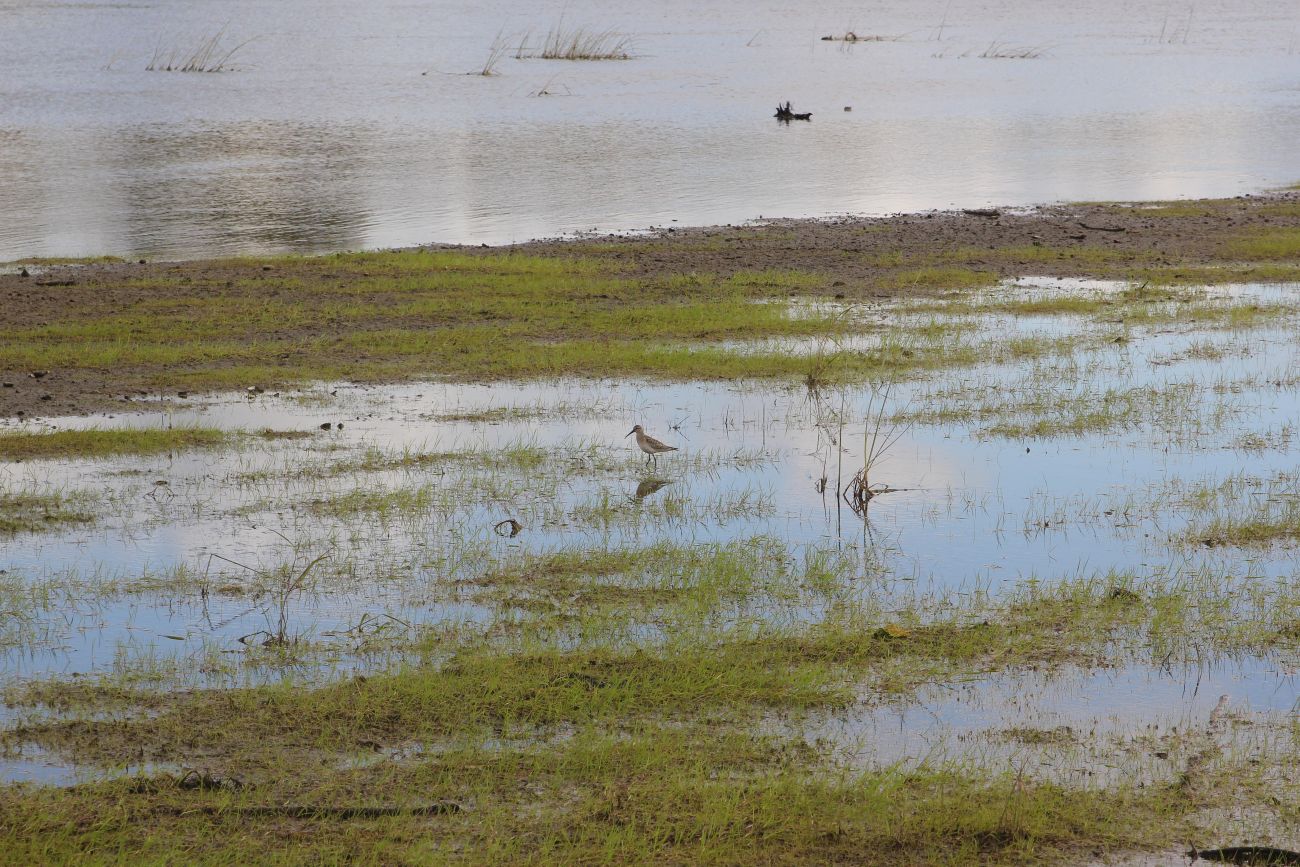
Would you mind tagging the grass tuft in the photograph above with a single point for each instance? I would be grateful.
(95, 443)
(208, 55)
(579, 43)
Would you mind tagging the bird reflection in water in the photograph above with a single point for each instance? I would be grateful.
(648, 486)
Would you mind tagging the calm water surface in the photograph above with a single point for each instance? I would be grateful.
(353, 125)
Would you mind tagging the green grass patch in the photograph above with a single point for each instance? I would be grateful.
(1281, 209)
(398, 502)
(938, 277)
(1243, 510)
(651, 795)
(95, 443)
(400, 315)
(1266, 244)
(1178, 209)
(1212, 275)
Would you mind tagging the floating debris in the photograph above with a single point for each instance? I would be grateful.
(786, 113)
(508, 528)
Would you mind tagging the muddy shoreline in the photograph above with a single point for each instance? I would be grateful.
(852, 257)
(1194, 236)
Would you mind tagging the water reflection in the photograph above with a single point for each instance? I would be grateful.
(332, 137)
(650, 486)
(278, 188)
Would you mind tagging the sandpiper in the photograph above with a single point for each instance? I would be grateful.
(648, 444)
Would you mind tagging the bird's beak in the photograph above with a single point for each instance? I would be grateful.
(629, 433)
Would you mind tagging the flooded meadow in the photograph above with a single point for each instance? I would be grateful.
(964, 335)
(1075, 564)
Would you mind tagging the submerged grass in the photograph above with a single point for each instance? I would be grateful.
(31, 510)
(578, 735)
(533, 679)
(1057, 400)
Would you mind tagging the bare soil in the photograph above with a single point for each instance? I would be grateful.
(821, 245)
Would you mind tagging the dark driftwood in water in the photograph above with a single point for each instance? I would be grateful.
(982, 212)
(1247, 855)
(508, 528)
(784, 112)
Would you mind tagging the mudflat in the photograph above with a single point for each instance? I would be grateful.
(80, 337)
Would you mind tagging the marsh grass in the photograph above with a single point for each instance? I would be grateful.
(207, 55)
(1245, 511)
(1266, 244)
(1282, 209)
(32, 510)
(616, 731)
(940, 277)
(516, 456)
(496, 52)
(465, 316)
(383, 504)
(1177, 209)
(655, 794)
(580, 43)
(438, 313)
(659, 577)
(106, 443)
(1004, 51)
(66, 587)
(609, 698)
(540, 679)
(1044, 405)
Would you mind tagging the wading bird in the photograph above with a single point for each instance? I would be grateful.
(648, 444)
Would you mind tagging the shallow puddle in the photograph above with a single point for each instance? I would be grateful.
(1080, 727)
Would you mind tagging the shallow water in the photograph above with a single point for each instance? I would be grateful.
(976, 511)
(344, 125)
(1102, 727)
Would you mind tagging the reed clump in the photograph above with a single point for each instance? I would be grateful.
(580, 43)
(208, 55)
